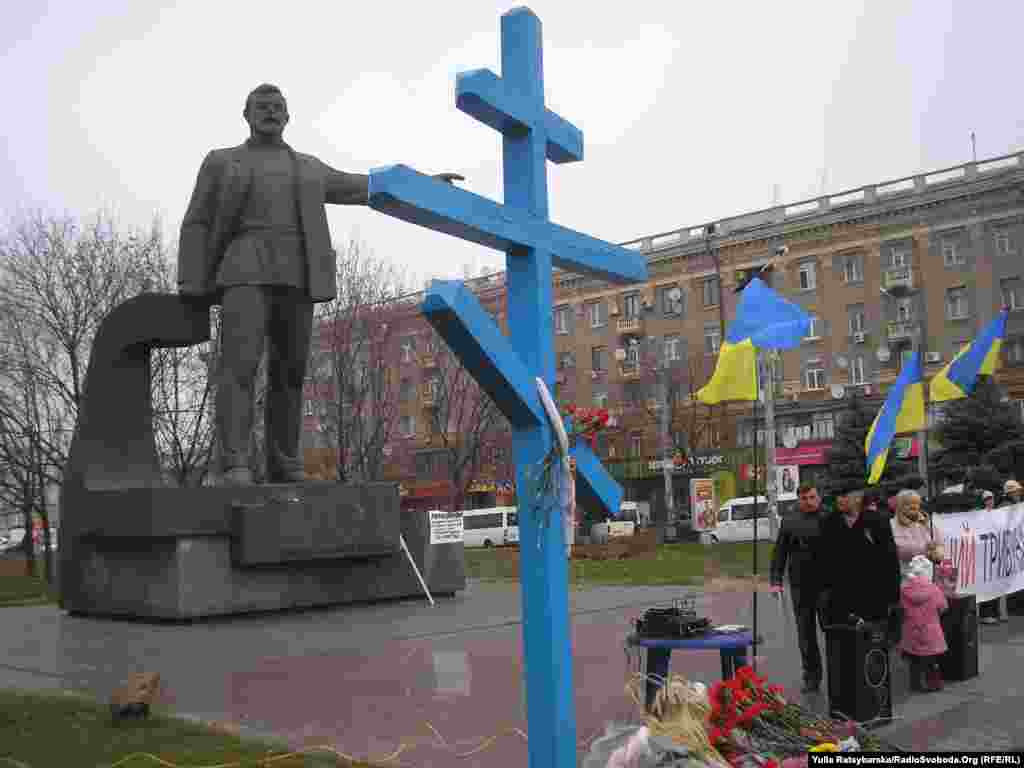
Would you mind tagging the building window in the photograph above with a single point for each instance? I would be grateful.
(815, 330)
(853, 269)
(814, 377)
(807, 276)
(308, 407)
(956, 303)
(671, 299)
(822, 426)
(856, 315)
(1014, 350)
(405, 389)
(904, 310)
(1002, 242)
(672, 348)
(898, 257)
(632, 354)
(408, 349)
(597, 311)
(712, 339)
(709, 286)
(599, 358)
(408, 425)
(1012, 297)
(561, 319)
(631, 305)
(601, 399)
(857, 371)
(566, 360)
(951, 254)
(636, 446)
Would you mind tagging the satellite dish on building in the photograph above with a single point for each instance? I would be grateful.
(883, 354)
(675, 294)
(838, 391)
(842, 362)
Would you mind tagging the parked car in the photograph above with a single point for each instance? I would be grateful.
(736, 518)
(14, 537)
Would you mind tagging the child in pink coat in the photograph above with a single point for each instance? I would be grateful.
(923, 641)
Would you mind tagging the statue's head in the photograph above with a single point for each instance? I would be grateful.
(266, 111)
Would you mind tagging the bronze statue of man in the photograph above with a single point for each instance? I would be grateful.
(255, 239)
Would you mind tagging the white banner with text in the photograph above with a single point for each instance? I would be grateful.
(987, 549)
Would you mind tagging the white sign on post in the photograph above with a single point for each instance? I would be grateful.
(445, 527)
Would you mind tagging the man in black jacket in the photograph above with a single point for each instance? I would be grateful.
(856, 564)
(795, 547)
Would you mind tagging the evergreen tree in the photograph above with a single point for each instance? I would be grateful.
(976, 431)
(847, 459)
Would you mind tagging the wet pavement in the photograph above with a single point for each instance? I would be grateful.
(438, 681)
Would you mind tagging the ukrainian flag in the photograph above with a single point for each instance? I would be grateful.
(981, 356)
(903, 411)
(764, 320)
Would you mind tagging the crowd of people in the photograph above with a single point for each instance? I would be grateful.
(870, 559)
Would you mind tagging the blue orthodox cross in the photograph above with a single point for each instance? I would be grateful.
(507, 368)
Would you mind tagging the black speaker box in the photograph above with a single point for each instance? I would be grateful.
(960, 625)
(859, 673)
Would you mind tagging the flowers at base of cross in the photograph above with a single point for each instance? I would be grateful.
(736, 702)
(580, 424)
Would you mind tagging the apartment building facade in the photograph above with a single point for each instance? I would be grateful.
(932, 257)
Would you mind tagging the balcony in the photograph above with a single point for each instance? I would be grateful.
(428, 361)
(899, 278)
(629, 325)
(902, 329)
(630, 370)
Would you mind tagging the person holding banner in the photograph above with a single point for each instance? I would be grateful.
(997, 611)
(912, 533)
(1013, 493)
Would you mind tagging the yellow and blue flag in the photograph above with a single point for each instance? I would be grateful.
(903, 411)
(981, 356)
(764, 320)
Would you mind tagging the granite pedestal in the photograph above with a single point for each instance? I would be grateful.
(132, 547)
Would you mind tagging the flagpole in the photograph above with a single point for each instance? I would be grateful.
(757, 393)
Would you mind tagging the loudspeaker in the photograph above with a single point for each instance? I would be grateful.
(859, 673)
(960, 625)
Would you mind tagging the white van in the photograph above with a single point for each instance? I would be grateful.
(496, 526)
(736, 518)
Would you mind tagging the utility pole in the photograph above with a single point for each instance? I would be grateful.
(709, 233)
(769, 441)
(666, 436)
(771, 490)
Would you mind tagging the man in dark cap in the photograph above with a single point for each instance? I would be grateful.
(856, 563)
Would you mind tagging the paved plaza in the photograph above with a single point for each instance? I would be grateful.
(369, 678)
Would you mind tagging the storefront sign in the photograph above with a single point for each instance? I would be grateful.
(482, 487)
(987, 549)
(445, 527)
(807, 453)
(703, 503)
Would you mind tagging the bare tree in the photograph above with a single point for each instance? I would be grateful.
(462, 420)
(58, 280)
(351, 384)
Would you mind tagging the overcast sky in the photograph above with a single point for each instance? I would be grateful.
(691, 111)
